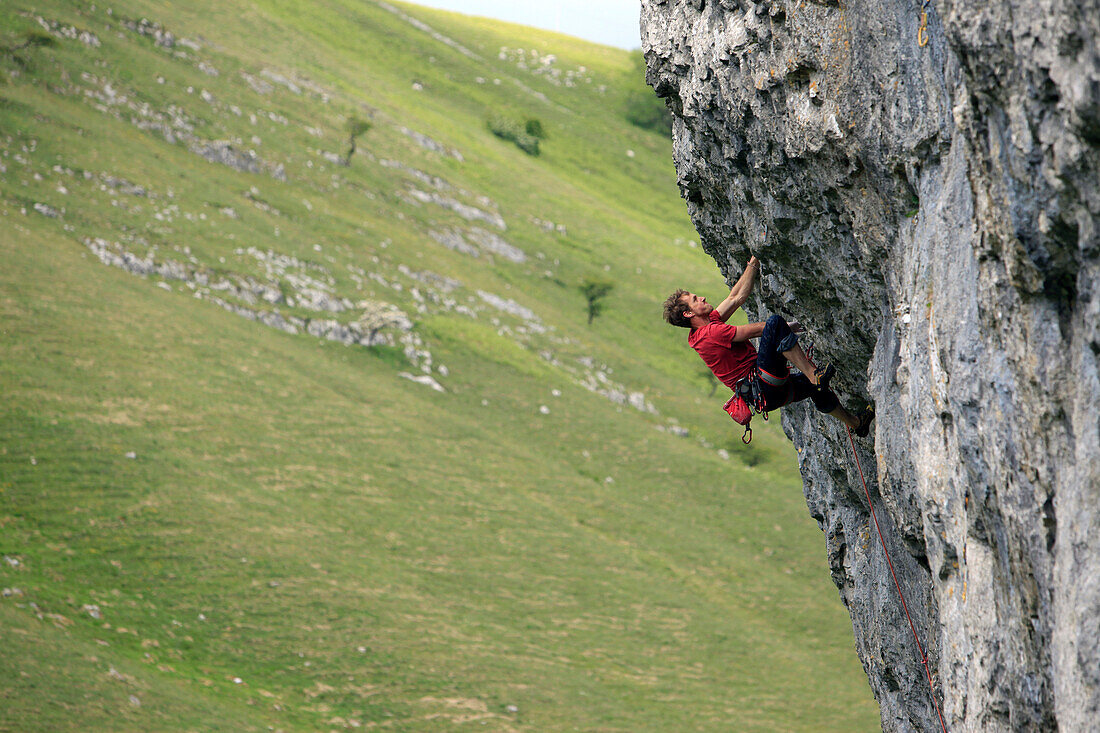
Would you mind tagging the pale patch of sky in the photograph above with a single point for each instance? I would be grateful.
(611, 22)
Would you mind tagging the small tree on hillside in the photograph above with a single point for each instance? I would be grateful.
(594, 291)
(356, 127)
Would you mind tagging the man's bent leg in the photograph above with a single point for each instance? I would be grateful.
(775, 339)
(824, 400)
(778, 344)
(845, 417)
(798, 357)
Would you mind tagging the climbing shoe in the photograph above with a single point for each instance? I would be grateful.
(865, 419)
(824, 376)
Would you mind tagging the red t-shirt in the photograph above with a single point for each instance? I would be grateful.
(730, 361)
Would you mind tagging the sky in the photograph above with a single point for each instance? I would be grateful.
(611, 22)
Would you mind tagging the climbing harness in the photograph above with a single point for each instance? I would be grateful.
(747, 400)
(922, 31)
(905, 607)
(766, 376)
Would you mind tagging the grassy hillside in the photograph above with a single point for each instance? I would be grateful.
(410, 488)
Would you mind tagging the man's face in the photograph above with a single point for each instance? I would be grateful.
(698, 305)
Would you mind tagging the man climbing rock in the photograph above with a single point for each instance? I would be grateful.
(733, 359)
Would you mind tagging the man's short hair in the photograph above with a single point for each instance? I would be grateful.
(676, 308)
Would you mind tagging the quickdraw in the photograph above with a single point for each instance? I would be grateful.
(922, 31)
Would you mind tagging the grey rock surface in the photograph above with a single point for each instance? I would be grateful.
(933, 218)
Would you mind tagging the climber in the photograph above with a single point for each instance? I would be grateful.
(728, 353)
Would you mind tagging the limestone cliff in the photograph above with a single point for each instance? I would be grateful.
(933, 216)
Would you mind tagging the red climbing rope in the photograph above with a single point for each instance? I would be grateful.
(901, 595)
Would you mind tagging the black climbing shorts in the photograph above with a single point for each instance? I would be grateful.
(777, 338)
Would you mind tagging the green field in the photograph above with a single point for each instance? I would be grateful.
(217, 522)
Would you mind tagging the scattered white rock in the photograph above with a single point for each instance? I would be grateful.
(122, 186)
(549, 227)
(454, 240)
(258, 85)
(421, 25)
(67, 31)
(423, 379)
(144, 27)
(508, 306)
(494, 244)
(281, 80)
(467, 212)
(224, 152)
(545, 65)
(92, 610)
(434, 181)
(429, 144)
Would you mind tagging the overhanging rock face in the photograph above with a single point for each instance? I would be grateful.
(933, 217)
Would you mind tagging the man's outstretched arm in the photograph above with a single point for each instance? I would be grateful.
(739, 293)
(749, 331)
